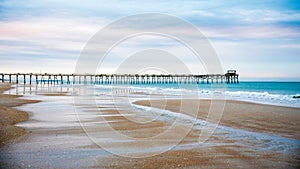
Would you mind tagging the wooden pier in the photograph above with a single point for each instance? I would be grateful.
(38, 78)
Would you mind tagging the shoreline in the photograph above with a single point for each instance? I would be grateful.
(224, 149)
(255, 117)
(9, 115)
(262, 103)
(220, 151)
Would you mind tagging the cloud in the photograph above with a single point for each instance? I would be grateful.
(262, 16)
(46, 36)
(250, 36)
(250, 32)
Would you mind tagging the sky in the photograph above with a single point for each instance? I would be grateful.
(260, 39)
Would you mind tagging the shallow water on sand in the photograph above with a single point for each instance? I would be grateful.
(56, 138)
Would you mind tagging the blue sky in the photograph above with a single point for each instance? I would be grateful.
(261, 39)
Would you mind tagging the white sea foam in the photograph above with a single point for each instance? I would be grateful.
(264, 97)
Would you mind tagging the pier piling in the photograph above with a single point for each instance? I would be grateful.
(230, 77)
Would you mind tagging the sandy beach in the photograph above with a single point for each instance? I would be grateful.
(255, 135)
(284, 121)
(9, 116)
(228, 153)
(276, 120)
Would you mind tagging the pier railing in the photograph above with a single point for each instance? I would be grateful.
(39, 78)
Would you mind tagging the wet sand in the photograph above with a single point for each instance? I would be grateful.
(211, 158)
(54, 94)
(10, 116)
(68, 146)
(223, 153)
(284, 121)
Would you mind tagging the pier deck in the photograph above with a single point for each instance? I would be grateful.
(45, 78)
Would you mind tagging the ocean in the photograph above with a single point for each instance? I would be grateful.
(273, 93)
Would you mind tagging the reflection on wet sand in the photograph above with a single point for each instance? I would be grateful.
(249, 136)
